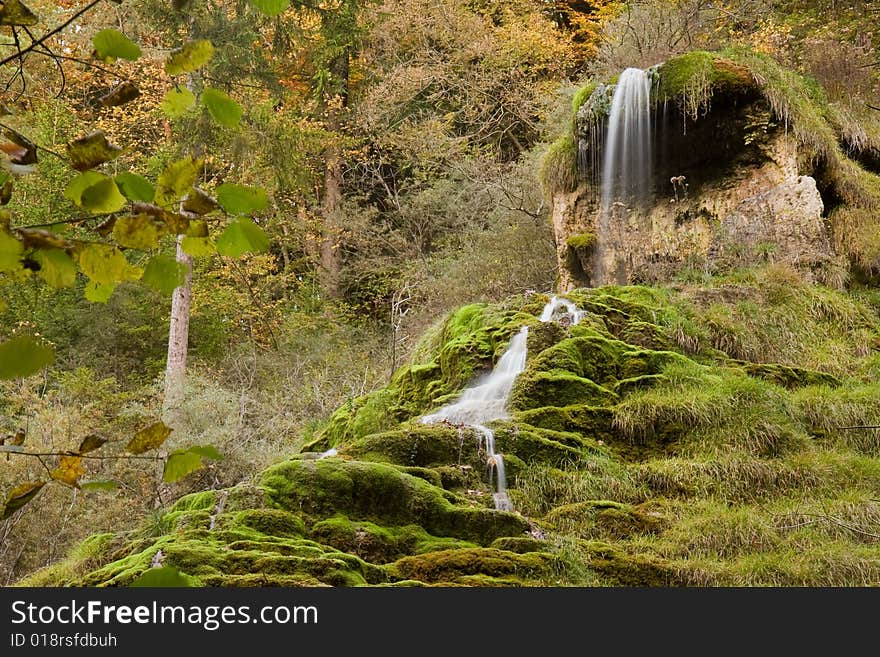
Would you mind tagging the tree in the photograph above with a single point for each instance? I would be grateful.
(124, 220)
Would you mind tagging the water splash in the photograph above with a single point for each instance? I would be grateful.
(552, 311)
(487, 401)
(625, 178)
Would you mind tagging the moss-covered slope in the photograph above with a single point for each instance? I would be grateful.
(675, 436)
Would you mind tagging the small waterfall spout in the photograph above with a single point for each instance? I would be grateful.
(569, 312)
(487, 401)
(625, 178)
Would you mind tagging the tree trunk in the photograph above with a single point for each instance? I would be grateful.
(331, 231)
(178, 337)
(331, 226)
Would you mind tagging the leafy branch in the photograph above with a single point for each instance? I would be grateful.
(69, 470)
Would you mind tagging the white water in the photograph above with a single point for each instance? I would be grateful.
(551, 310)
(626, 166)
(487, 401)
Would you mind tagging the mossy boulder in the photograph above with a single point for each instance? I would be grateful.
(451, 566)
(383, 494)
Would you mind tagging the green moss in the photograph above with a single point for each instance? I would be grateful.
(538, 445)
(534, 389)
(580, 242)
(559, 172)
(384, 495)
(581, 96)
(588, 421)
(543, 335)
(790, 377)
(269, 522)
(416, 445)
(620, 567)
(450, 565)
(694, 78)
(203, 501)
(379, 544)
(605, 519)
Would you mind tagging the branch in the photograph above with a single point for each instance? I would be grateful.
(51, 33)
(42, 148)
(87, 456)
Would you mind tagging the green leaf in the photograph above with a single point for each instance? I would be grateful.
(106, 484)
(91, 150)
(95, 192)
(103, 197)
(164, 274)
(164, 577)
(103, 263)
(149, 438)
(199, 202)
(176, 180)
(56, 267)
(207, 452)
(271, 7)
(138, 231)
(181, 463)
(241, 200)
(99, 292)
(198, 246)
(177, 101)
(135, 187)
(19, 496)
(190, 57)
(221, 107)
(242, 236)
(10, 252)
(14, 12)
(197, 228)
(112, 45)
(90, 443)
(23, 356)
(184, 461)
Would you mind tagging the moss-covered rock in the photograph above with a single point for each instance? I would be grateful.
(450, 566)
(417, 445)
(379, 544)
(619, 448)
(383, 494)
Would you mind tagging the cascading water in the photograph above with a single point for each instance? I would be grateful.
(626, 163)
(552, 309)
(487, 401)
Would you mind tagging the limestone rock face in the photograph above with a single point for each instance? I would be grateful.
(724, 194)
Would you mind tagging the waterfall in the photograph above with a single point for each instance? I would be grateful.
(626, 164)
(487, 401)
(551, 310)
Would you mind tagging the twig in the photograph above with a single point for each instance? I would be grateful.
(85, 456)
(51, 33)
(42, 148)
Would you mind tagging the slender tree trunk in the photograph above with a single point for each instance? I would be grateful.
(178, 336)
(331, 211)
(331, 226)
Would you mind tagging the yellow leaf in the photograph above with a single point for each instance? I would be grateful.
(148, 438)
(69, 470)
